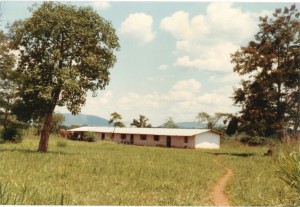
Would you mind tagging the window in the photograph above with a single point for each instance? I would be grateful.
(123, 136)
(143, 137)
(156, 137)
(186, 140)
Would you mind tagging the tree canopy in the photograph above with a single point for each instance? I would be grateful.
(8, 93)
(210, 120)
(170, 123)
(141, 122)
(65, 51)
(116, 120)
(269, 94)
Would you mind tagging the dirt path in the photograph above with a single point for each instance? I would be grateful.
(218, 191)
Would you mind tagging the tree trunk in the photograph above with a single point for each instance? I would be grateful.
(43, 145)
(113, 134)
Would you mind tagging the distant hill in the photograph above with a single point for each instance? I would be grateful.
(189, 125)
(83, 119)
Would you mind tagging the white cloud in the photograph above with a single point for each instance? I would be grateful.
(187, 85)
(163, 67)
(138, 26)
(205, 42)
(232, 78)
(105, 98)
(183, 101)
(95, 103)
(101, 4)
(181, 27)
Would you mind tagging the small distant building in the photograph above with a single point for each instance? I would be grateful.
(163, 137)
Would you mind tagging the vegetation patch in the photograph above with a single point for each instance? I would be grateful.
(89, 137)
(12, 133)
(288, 170)
(253, 140)
(106, 173)
(61, 143)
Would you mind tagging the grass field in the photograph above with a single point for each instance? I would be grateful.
(106, 173)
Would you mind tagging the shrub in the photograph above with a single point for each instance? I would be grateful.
(288, 165)
(108, 139)
(253, 140)
(61, 143)
(90, 137)
(12, 133)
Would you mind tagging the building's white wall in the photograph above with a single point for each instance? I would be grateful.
(99, 136)
(176, 141)
(208, 140)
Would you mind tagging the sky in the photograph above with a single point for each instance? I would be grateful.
(174, 59)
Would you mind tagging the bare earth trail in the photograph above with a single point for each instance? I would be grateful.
(218, 191)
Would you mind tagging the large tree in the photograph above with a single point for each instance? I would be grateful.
(269, 97)
(141, 122)
(8, 76)
(65, 51)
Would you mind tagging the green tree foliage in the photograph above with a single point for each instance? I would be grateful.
(8, 93)
(116, 121)
(232, 126)
(269, 97)
(65, 51)
(212, 120)
(141, 122)
(89, 137)
(12, 132)
(170, 123)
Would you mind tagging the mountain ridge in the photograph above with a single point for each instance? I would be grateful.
(84, 120)
(92, 120)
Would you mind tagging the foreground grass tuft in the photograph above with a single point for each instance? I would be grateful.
(288, 170)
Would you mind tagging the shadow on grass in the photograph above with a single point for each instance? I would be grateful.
(34, 151)
(233, 154)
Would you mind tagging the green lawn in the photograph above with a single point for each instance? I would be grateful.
(106, 173)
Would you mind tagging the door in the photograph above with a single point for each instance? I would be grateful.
(169, 141)
(132, 139)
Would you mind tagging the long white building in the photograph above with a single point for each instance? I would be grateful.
(181, 138)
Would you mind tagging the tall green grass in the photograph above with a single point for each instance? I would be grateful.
(106, 173)
(288, 169)
(255, 181)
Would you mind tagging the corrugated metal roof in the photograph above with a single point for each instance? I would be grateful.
(151, 131)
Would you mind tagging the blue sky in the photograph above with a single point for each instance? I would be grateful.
(174, 58)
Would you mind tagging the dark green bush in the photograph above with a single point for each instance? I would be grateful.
(253, 140)
(12, 133)
(1, 140)
(90, 137)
